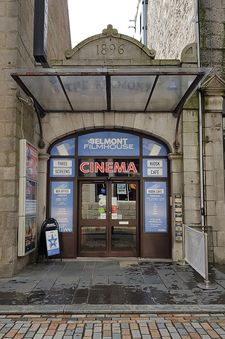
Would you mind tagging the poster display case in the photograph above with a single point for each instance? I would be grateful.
(28, 191)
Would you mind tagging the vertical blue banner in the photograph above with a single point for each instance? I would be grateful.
(62, 204)
(155, 207)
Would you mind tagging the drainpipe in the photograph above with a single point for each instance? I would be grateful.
(200, 125)
(145, 22)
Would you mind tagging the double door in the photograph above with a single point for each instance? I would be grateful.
(108, 218)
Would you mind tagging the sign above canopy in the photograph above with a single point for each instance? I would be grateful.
(117, 89)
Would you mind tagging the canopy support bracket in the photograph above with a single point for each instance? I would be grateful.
(40, 114)
(176, 143)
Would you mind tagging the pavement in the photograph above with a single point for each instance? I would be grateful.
(115, 286)
(112, 298)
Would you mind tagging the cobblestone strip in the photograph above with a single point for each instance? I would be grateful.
(113, 326)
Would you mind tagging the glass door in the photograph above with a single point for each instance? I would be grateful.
(123, 218)
(93, 219)
(108, 215)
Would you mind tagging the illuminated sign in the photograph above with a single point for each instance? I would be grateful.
(107, 167)
(108, 143)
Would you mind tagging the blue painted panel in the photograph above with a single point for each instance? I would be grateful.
(62, 167)
(155, 168)
(153, 148)
(108, 144)
(155, 207)
(62, 204)
(65, 147)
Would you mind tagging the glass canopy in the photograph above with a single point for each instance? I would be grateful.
(127, 89)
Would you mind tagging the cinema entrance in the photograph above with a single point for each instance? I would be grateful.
(108, 218)
(109, 191)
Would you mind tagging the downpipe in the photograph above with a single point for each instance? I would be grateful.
(200, 126)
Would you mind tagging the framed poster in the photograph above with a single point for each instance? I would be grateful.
(31, 197)
(28, 160)
(28, 197)
(155, 207)
(62, 204)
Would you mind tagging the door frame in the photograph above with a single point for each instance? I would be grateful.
(149, 245)
(108, 221)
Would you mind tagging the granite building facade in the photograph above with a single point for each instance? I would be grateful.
(116, 134)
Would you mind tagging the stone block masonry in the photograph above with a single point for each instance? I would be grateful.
(171, 27)
(16, 45)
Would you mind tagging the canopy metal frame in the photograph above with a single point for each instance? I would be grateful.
(165, 90)
(109, 75)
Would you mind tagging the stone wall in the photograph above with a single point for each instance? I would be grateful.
(58, 125)
(212, 28)
(8, 136)
(171, 26)
(214, 174)
(58, 31)
(191, 168)
(16, 118)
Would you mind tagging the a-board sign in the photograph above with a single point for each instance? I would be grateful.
(52, 242)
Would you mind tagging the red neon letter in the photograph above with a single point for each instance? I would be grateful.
(99, 167)
(109, 167)
(120, 168)
(82, 169)
(131, 167)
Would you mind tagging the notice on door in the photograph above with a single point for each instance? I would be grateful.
(155, 202)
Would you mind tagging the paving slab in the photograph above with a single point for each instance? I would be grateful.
(123, 284)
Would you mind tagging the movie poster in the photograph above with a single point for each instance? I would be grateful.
(62, 204)
(155, 207)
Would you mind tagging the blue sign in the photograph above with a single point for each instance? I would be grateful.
(108, 144)
(155, 207)
(155, 168)
(52, 242)
(62, 204)
(62, 167)
(153, 148)
(66, 147)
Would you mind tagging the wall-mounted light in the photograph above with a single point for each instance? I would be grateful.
(40, 32)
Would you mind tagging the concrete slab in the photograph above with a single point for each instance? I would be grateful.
(114, 285)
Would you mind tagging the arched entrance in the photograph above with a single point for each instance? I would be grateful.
(109, 191)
